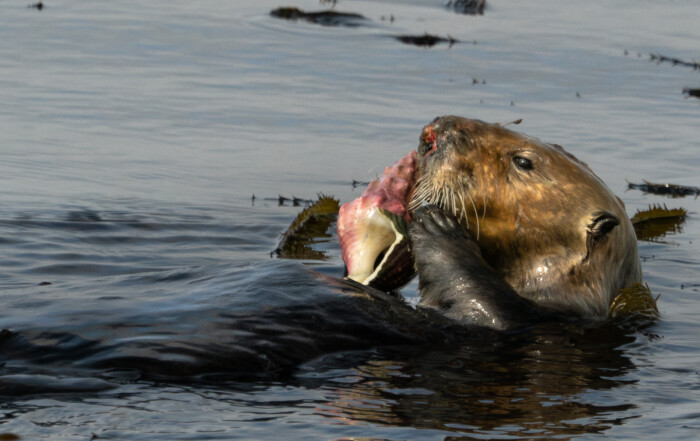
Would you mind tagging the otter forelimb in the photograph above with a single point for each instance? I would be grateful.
(455, 279)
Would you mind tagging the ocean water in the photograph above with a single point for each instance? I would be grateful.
(143, 150)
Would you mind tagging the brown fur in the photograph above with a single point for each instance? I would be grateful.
(554, 232)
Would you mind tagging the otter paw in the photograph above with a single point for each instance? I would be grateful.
(438, 239)
(431, 222)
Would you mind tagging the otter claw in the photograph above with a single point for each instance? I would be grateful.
(436, 222)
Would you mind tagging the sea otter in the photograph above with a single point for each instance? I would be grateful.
(504, 229)
(505, 232)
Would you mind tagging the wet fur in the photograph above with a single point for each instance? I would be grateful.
(554, 234)
(475, 293)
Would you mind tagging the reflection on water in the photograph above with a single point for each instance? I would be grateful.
(529, 386)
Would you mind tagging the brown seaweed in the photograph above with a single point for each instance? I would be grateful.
(657, 221)
(471, 7)
(656, 212)
(356, 183)
(674, 61)
(426, 40)
(634, 301)
(691, 92)
(296, 202)
(323, 18)
(283, 200)
(310, 225)
(672, 190)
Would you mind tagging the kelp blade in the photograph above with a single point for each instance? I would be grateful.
(657, 221)
(634, 301)
(310, 225)
(672, 190)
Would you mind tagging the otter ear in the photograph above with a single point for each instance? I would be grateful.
(602, 223)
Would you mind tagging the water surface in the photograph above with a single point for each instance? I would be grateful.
(134, 136)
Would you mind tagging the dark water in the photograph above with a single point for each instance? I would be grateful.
(136, 272)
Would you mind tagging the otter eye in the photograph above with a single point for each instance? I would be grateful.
(523, 163)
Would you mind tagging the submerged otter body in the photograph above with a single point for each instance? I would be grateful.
(538, 223)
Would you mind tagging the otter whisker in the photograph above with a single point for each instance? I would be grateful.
(464, 204)
(450, 197)
(464, 213)
(445, 200)
(453, 199)
(423, 193)
(457, 198)
(476, 215)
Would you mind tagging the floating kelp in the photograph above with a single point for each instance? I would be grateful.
(426, 40)
(657, 221)
(674, 61)
(656, 212)
(672, 190)
(312, 223)
(636, 300)
(692, 92)
(295, 201)
(471, 7)
(324, 18)
(283, 200)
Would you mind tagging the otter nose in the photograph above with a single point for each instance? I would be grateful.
(429, 140)
(428, 134)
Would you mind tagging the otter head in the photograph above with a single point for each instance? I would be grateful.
(541, 218)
